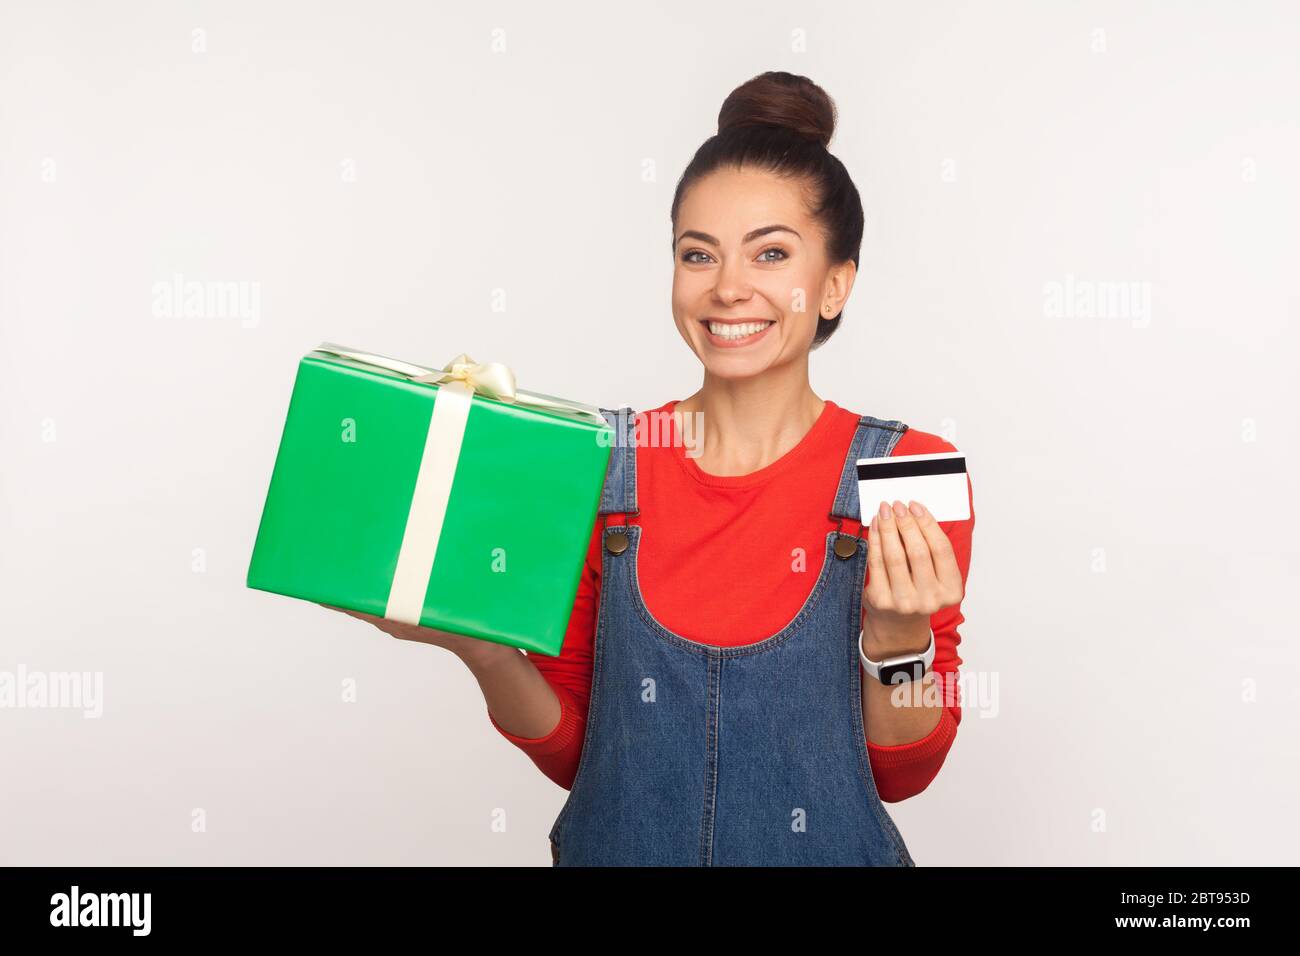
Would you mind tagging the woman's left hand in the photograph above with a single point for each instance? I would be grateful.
(911, 573)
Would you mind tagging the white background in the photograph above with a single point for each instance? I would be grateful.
(1134, 551)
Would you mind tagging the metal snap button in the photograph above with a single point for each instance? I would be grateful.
(617, 542)
(846, 546)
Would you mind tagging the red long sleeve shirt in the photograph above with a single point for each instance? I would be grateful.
(767, 530)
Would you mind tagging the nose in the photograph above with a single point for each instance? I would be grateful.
(732, 284)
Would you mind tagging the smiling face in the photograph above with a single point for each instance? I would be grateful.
(750, 276)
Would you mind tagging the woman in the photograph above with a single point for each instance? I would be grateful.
(710, 705)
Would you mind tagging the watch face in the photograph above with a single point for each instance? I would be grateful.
(902, 671)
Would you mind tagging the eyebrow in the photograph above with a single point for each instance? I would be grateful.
(749, 236)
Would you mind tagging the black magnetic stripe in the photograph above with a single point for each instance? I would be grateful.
(909, 469)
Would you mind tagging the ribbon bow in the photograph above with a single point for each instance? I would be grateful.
(491, 379)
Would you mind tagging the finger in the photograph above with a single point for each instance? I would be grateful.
(917, 548)
(900, 580)
(877, 589)
(359, 615)
(946, 570)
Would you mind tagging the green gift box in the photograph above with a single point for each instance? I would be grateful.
(444, 498)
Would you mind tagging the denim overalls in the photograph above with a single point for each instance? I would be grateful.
(728, 756)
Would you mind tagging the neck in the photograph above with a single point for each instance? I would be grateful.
(741, 425)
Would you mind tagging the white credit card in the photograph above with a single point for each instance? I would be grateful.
(936, 481)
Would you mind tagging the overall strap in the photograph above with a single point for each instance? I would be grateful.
(874, 438)
(619, 494)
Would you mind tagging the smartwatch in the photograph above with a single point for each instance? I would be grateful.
(896, 670)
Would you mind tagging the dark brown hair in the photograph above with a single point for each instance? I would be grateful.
(783, 123)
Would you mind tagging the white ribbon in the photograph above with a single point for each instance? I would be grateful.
(458, 382)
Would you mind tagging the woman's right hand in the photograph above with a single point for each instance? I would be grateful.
(471, 650)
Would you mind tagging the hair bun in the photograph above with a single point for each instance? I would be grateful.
(780, 99)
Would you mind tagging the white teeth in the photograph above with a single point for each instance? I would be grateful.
(728, 330)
